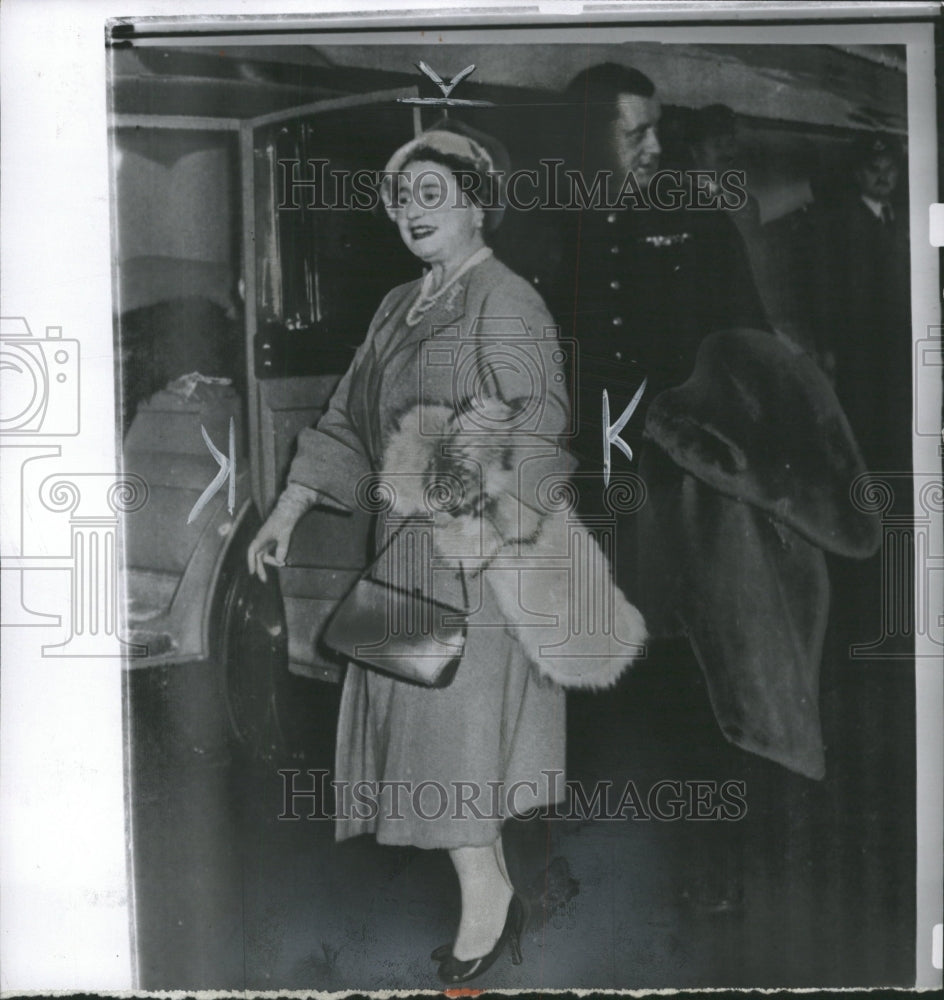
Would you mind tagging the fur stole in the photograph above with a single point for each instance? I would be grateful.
(498, 503)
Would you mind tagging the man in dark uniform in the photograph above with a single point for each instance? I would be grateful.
(865, 298)
(642, 285)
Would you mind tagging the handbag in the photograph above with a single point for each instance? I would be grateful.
(399, 632)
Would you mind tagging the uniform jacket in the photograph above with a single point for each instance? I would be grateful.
(639, 290)
(456, 427)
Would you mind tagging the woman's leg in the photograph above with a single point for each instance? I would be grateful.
(500, 860)
(486, 893)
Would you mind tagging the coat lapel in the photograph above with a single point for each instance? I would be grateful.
(450, 309)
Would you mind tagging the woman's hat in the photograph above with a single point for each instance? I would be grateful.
(459, 147)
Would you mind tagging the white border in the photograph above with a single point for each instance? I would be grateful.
(64, 910)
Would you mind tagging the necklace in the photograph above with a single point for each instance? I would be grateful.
(426, 299)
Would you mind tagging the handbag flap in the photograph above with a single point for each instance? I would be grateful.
(399, 632)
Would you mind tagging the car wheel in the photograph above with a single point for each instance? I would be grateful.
(253, 660)
(273, 714)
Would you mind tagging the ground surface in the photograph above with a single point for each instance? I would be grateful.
(230, 896)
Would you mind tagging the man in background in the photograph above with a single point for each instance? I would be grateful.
(641, 285)
(714, 145)
(863, 275)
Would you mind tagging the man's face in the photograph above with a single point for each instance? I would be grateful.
(878, 178)
(633, 136)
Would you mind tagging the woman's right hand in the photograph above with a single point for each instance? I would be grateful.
(277, 532)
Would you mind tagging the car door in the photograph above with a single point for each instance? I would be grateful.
(317, 262)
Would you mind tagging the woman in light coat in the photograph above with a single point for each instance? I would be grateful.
(460, 380)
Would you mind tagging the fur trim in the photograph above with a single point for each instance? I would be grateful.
(552, 581)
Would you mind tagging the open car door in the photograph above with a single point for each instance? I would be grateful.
(316, 266)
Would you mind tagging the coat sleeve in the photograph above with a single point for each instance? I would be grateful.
(515, 321)
(332, 457)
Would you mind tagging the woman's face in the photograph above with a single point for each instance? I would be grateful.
(438, 222)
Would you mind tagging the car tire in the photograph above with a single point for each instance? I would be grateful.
(252, 657)
(273, 714)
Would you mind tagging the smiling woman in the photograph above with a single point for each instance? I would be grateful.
(250, 179)
(439, 223)
(462, 442)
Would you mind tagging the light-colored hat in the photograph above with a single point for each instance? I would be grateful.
(459, 146)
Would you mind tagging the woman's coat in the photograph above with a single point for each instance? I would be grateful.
(457, 426)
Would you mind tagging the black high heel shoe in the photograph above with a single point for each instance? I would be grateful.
(454, 970)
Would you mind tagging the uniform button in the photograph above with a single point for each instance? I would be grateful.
(611, 218)
(614, 284)
(618, 355)
(617, 321)
(614, 249)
